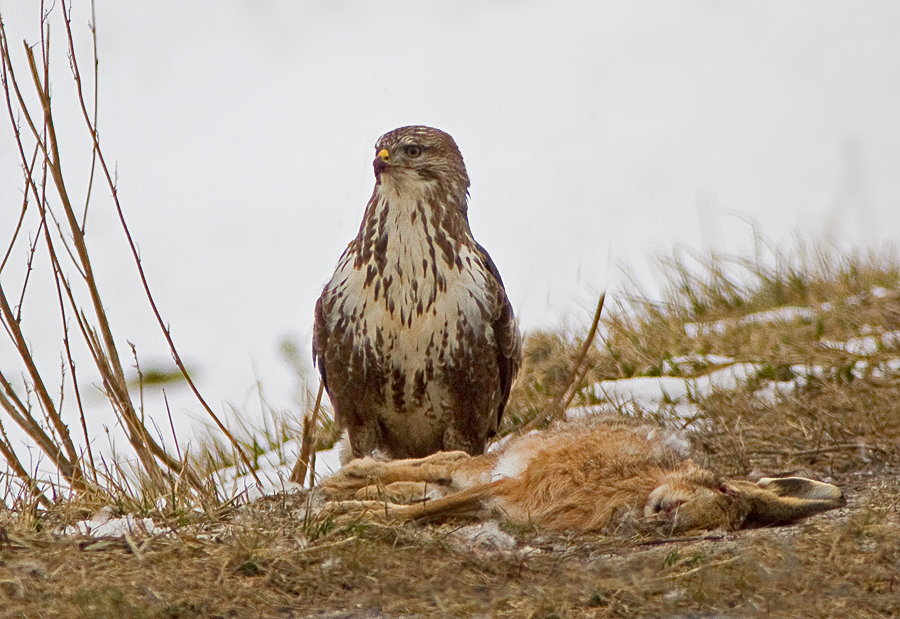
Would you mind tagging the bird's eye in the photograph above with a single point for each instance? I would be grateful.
(413, 151)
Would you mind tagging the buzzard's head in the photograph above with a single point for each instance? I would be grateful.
(421, 159)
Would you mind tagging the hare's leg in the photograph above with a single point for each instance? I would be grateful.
(435, 469)
(467, 503)
(402, 492)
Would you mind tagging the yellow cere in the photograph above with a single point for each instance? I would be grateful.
(383, 153)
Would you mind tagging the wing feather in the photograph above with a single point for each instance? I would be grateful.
(320, 340)
(506, 333)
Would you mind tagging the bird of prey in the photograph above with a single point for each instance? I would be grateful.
(414, 336)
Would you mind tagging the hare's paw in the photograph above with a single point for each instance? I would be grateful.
(402, 492)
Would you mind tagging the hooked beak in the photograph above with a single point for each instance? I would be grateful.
(381, 161)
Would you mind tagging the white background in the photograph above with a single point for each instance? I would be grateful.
(597, 136)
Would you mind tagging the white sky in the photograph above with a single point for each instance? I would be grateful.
(595, 134)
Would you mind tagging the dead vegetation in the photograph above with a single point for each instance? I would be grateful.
(815, 326)
(828, 414)
(265, 560)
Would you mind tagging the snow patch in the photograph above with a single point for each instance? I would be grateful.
(483, 538)
(774, 390)
(694, 362)
(868, 345)
(274, 471)
(652, 392)
(780, 314)
(103, 524)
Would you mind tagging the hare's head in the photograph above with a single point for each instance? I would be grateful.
(699, 499)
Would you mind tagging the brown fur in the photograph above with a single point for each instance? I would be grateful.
(579, 479)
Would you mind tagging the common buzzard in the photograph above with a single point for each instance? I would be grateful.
(414, 336)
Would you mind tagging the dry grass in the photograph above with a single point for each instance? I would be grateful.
(265, 561)
(835, 288)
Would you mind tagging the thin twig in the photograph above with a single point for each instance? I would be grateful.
(672, 540)
(28, 171)
(815, 452)
(308, 441)
(172, 426)
(93, 27)
(556, 407)
(13, 461)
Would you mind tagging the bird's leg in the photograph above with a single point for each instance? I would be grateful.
(456, 439)
(363, 439)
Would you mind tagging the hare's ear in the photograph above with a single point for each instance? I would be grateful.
(802, 488)
(778, 500)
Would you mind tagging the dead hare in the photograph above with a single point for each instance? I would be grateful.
(579, 478)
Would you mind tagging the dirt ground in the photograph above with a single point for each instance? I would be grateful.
(264, 560)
